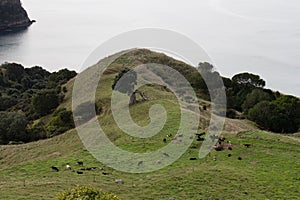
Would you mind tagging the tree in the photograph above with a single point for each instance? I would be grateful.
(239, 87)
(289, 106)
(14, 71)
(37, 73)
(248, 79)
(2, 79)
(205, 67)
(85, 193)
(128, 84)
(61, 121)
(256, 96)
(62, 76)
(45, 101)
(7, 102)
(281, 115)
(12, 127)
(213, 81)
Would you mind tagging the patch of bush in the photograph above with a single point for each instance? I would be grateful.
(85, 193)
(230, 113)
(61, 121)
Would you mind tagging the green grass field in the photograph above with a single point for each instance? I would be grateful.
(268, 169)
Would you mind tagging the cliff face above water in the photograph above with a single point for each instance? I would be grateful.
(13, 16)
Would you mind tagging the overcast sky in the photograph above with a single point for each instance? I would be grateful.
(259, 36)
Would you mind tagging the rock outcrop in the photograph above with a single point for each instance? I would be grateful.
(13, 16)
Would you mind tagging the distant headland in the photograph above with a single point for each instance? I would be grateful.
(13, 16)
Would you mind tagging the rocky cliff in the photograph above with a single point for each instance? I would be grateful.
(13, 16)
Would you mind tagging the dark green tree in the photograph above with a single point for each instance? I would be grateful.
(45, 101)
(12, 127)
(7, 102)
(248, 79)
(14, 71)
(281, 115)
(127, 86)
(61, 121)
(256, 96)
(62, 76)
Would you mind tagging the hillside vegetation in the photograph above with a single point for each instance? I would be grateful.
(27, 96)
(36, 104)
(261, 165)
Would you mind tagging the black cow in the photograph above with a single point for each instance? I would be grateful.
(54, 168)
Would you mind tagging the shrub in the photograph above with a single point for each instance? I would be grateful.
(230, 113)
(12, 127)
(45, 101)
(61, 122)
(85, 193)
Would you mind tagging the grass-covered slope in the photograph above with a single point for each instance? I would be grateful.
(268, 169)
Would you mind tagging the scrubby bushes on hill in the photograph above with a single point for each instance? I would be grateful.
(12, 127)
(31, 93)
(61, 121)
(270, 110)
(34, 92)
(85, 193)
(281, 115)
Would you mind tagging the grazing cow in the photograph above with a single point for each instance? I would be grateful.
(140, 163)
(215, 158)
(222, 139)
(94, 168)
(105, 173)
(54, 168)
(193, 158)
(247, 145)
(158, 161)
(199, 136)
(165, 140)
(79, 172)
(239, 158)
(229, 155)
(169, 135)
(119, 181)
(219, 146)
(80, 163)
(165, 154)
(229, 145)
(68, 167)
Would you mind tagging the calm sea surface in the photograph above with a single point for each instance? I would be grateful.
(259, 36)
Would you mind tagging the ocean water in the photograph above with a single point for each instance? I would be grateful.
(259, 36)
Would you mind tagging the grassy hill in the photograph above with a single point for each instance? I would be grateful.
(268, 169)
